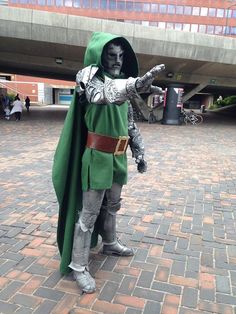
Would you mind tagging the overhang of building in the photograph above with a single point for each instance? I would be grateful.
(47, 44)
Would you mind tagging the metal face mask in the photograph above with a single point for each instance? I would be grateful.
(112, 59)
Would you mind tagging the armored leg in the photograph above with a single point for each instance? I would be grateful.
(107, 223)
(80, 257)
(92, 201)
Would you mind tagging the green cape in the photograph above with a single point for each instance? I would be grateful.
(66, 172)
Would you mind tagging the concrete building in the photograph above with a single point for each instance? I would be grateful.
(216, 17)
(204, 16)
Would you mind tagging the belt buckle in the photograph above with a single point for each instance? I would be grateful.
(117, 149)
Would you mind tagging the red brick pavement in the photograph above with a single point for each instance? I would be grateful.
(179, 217)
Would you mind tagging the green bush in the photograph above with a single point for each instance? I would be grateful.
(11, 97)
(230, 100)
(224, 102)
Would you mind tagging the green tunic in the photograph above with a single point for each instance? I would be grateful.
(99, 169)
(77, 168)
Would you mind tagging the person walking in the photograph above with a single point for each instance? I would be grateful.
(27, 103)
(17, 108)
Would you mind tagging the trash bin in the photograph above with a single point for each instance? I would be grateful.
(203, 109)
(173, 105)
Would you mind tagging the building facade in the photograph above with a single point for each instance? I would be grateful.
(40, 90)
(216, 17)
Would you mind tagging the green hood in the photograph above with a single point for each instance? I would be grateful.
(93, 53)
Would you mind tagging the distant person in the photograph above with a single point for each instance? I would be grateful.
(7, 111)
(27, 103)
(17, 97)
(17, 109)
(2, 103)
(220, 98)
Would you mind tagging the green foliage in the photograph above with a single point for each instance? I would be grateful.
(230, 100)
(11, 97)
(224, 102)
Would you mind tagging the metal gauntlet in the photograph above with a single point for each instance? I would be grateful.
(136, 140)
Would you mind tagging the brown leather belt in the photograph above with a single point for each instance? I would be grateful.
(107, 144)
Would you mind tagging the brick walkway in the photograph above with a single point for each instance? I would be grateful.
(179, 216)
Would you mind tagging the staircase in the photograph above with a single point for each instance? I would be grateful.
(7, 85)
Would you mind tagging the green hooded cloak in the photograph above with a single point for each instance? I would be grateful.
(69, 175)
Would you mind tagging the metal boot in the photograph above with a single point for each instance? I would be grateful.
(117, 248)
(85, 281)
(80, 257)
(107, 229)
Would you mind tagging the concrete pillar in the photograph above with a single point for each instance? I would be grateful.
(173, 104)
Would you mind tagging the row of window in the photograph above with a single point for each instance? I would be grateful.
(194, 28)
(116, 5)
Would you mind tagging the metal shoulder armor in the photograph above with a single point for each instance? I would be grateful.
(84, 76)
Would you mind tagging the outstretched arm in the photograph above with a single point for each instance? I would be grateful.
(115, 91)
(136, 142)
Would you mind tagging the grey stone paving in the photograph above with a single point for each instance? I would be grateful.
(179, 217)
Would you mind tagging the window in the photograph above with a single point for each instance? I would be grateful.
(77, 4)
(186, 27)
(86, 3)
(178, 26)
(137, 6)
(59, 3)
(171, 9)
(212, 12)
(129, 6)
(220, 13)
(233, 30)
(145, 23)
(226, 30)
(162, 25)
(196, 11)
(163, 8)
(170, 25)
(120, 5)
(187, 10)
(210, 29)
(179, 9)
(68, 3)
(94, 4)
(203, 11)
(228, 13)
(41, 2)
(234, 14)
(103, 4)
(202, 28)
(112, 5)
(146, 7)
(194, 28)
(50, 2)
(218, 30)
(154, 8)
(153, 23)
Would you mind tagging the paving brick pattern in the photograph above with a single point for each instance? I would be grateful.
(179, 217)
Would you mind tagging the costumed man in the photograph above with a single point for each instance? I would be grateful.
(90, 163)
